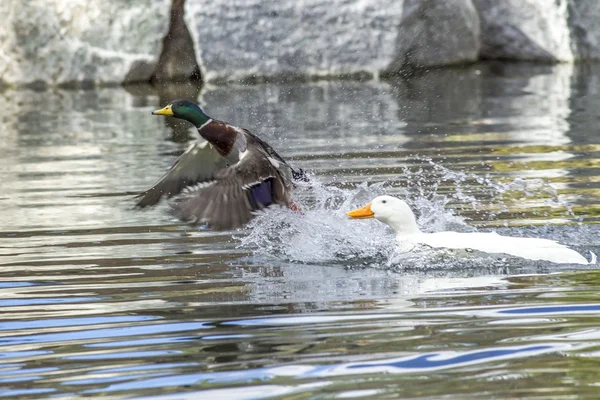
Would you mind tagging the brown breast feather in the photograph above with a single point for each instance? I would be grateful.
(220, 135)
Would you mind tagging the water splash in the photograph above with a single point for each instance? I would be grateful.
(482, 193)
(322, 233)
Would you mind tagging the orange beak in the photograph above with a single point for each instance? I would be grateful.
(361, 213)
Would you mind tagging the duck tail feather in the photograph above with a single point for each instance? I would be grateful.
(594, 258)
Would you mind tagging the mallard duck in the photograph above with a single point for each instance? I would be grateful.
(398, 215)
(225, 177)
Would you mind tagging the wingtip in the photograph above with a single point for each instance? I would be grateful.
(147, 198)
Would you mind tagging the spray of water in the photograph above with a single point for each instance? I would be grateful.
(470, 188)
(322, 233)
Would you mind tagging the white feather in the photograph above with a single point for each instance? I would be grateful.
(198, 186)
(249, 185)
(273, 162)
(206, 123)
(238, 130)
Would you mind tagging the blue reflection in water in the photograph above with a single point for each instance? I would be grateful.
(19, 354)
(21, 379)
(121, 355)
(105, 333)
(143, 342)
(556, 309)
(4, 285)
(190, 379)
(430, 361)
(46, 300)
(147, 367)
(221, 337)
(425, 361)
(24, 392)
(60, 322)
(245, 392)
(27, 371)
(306, 319)
(110, 379)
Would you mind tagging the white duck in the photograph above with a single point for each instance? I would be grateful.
(398, 215)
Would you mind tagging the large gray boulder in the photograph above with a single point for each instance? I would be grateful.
(256, 39)
(61, 42)
(74, 42)
(177, 62)
(435, 33)
(584, 22)
(528, 30)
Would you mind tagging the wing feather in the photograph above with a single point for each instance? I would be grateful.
(230, 202)
(198, 164)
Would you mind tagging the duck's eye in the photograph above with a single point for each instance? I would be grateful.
(384, 201)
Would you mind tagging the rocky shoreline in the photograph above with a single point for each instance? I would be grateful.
(72, 43)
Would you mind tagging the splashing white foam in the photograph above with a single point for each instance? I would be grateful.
(322, 233)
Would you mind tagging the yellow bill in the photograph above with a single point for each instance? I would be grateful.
(360, 213)
(168, 111)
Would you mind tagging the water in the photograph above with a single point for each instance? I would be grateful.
(100, 299)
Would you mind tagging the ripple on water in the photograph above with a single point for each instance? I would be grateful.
(99, 299)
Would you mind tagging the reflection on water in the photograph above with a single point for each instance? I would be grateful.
(98, 298)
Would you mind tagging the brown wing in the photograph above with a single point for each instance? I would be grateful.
(199, 163)
(236, 193)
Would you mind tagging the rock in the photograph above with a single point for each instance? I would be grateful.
(585, 30)
(62, 42)
(434, 33)
(529, 30)
(262, 40)
(177, 61)
(70, 42)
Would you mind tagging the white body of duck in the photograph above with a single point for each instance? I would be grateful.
(398, 215)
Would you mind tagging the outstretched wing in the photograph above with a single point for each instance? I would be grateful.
(200, 163)
(236, 193)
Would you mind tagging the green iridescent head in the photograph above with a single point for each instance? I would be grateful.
(184, 109)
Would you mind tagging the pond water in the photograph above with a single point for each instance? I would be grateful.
(100, 299)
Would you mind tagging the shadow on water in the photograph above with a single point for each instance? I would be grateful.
(99, 299)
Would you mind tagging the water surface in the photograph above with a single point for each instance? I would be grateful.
(100, 299)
